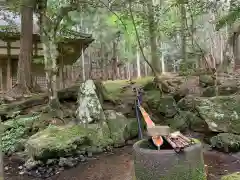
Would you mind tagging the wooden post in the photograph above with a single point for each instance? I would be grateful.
(9, 67)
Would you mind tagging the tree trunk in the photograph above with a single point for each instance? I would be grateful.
(83, 66)
(114, 61)
(25, 57)
(163, 63)
(235, 47)
(183, 35)
(50, 61)
(90, 64)
(152, 32)
(145, 69)
(138, 65)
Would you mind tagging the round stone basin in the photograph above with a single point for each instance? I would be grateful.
(166, 164)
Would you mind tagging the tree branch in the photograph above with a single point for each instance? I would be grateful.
(138, 40)
(62, 13)
(119, 18)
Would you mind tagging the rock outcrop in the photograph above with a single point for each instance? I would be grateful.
(68, 140)
(226, 142)
(90, 108)
(221, 113)
(121, 128)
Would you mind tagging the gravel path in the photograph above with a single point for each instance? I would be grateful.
(119, 166)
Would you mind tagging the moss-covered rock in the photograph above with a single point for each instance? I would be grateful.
(152, 98)
(221, 113)
(222, 90)
(167, 106)
(180, 121)
(206, 80)
(121, 128)
(133, 128)
(67, 140)
(226, 142)
(209, 92)
(187, 120)
(90, 106)
(187, 103)
(234, 176)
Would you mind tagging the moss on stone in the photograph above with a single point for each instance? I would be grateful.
(121, 128)
(206, 80)
(226, 142)
(196, 140)
(187, 120)
(167, 106)
(221, 113)
(234, 176)
(67, 140)
(133, 128)
(114, 88)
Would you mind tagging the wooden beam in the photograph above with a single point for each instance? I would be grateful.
(9, 67)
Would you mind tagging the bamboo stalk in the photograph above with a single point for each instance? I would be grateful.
(173, 144)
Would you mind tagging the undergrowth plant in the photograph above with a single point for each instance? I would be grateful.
(11, 139)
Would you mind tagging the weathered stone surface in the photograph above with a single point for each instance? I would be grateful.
(67, 162)
(67, 140)
(31, 164)
(225, 89)
(187, 120)
(221, 113)
(234, 176)
(206, 80)
(167, 106)
(187, 103)
(121, 128)
(209, 92)
(179, 122)
(90, 108)
(150, 164)
(226, 142)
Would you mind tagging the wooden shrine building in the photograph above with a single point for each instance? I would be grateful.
(69, 50)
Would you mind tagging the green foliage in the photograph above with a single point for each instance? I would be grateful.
(12, 138)
(16, 131)
(229, 19)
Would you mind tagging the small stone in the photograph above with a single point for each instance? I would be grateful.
(82, 158)
(31, 164)
(130, 142)
(51, 161)
(89, 154)
(20, 167)
(67, 162)
(6, 168)
(61, 169)
(21, 172)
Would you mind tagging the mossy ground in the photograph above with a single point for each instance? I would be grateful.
(234, 176)
(114, 88)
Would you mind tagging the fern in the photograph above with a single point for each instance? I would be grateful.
(229, 19)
